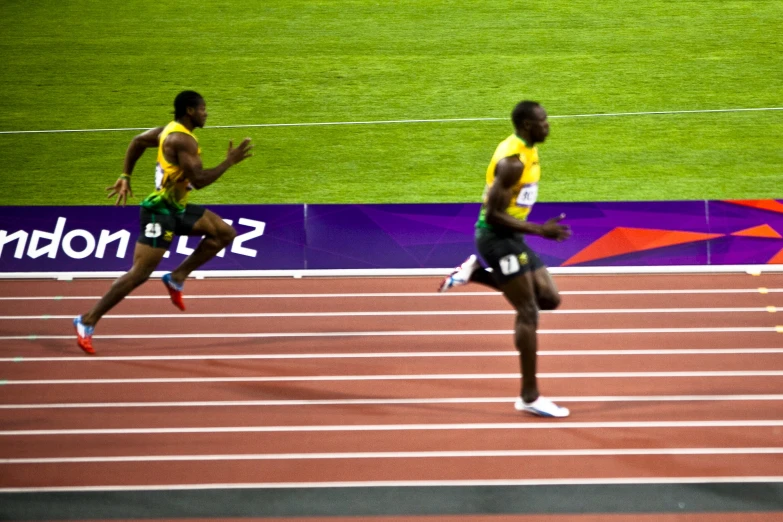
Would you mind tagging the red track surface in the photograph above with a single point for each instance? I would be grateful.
(280, 429)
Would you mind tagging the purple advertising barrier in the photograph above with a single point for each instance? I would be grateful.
(665, 233)
(401, 236)
(659, 233)
(389, 236)
(626, 234)
(751, 232)
(101, 239)
(437, 236)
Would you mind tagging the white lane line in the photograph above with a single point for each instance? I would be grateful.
(354, 402)
(259, 296)
(409, 121)
(405, 313)
(553, 424)
(389, 355)
(405, 294)
(417, 377)
(400, 455)
(265, 335)
(283, 314)
(409, 483)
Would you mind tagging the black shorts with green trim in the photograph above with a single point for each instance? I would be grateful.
(506, 253)
(158, 230)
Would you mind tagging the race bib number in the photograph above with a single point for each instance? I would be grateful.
(153, 230)
(509, 264)
(527, 196)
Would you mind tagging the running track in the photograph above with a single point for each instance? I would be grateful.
(378, 398)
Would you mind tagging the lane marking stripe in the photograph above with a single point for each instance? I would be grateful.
(390, 313)
(393, 401)
(383, 355)
(410, 483)
(555, 424)
(258, 335)
(399, 455)
(404, 294)
(418, 377)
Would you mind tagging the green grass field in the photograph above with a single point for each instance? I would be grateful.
(99, 65)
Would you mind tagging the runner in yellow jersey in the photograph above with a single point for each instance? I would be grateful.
(510, 193)
(166, 212)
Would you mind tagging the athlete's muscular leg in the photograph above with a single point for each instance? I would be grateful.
(547, 296)
(145, 260)
(520, 292)
(484, 277)
(217, 235)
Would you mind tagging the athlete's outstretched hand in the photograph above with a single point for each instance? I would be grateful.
(234, 156)
(122, 190)
(552, 229)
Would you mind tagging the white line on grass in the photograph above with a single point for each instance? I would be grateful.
(408, 483)
(354, 402)
(386, 355)
(412, 377)
(408, 121)
(551, 425)
(400, 455)
(405, 294)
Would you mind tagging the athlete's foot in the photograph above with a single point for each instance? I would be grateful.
(461, 275)
(542, 407)
(84, 335)
(175, 291)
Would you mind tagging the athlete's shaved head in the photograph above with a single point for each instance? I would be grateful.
(530, 122)
(185, 100)
(525, 110)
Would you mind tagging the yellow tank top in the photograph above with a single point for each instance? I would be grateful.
(525, 192)
(171, 186)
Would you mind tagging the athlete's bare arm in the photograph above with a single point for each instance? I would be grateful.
(183, 149)
(140, 143)
(508, 172)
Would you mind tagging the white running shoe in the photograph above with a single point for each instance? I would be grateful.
(461, 275)
(542, 407)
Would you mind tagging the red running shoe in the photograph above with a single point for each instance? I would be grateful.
(175, 291)
(84, 335)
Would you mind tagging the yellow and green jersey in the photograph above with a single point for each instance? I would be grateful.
(525, 192)
(171, 185)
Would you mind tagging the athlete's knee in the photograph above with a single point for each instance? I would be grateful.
(525, 328)
(547, 296)
(225, 234)
(548, 300)
(527, 316)
(139, 273)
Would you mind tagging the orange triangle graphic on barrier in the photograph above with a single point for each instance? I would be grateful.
(623, 240)
(763, 204)
(777, 259)
(759, 231)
